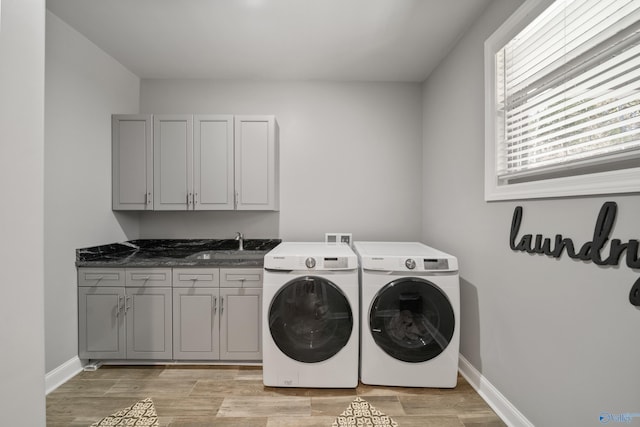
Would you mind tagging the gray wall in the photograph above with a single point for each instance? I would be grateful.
(557, 337)
(326, 185)
(22, 401)
(84, 86)
(350, 158)
(383, 161)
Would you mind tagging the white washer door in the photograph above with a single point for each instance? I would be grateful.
(412, 320)
(310, 319)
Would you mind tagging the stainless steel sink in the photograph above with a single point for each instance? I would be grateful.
(229, 255)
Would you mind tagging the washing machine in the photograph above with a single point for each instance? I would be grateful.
(410, 308)
(310, 316)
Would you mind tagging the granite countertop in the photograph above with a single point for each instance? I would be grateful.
(177, 253)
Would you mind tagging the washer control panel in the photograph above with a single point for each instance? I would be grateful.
(316, 256)
(327, 263)
(410, 264)
(317, 263)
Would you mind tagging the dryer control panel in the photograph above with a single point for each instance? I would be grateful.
(436, 264)
(404, 257)
(414, 264)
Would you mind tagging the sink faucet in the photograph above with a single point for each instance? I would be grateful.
(240, 239)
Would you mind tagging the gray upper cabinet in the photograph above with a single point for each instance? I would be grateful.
(173, 162)
(132, 162)
(195, 162)
(213, 162)
(256, 163)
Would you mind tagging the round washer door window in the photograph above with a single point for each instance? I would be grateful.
(411, 320)
(310, 319)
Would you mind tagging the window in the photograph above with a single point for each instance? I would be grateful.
(562, 108)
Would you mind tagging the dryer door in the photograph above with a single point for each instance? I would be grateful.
(412, 320)
(310, 319)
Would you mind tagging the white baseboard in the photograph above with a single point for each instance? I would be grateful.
(500, 405)
(63, 373)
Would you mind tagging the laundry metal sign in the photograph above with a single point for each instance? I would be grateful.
(589, 251)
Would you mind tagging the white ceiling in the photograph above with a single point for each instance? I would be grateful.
(345, 40)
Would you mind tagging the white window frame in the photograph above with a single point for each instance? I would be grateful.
(611, 182)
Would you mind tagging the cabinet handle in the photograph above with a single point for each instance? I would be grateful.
(118, 308)
(126, 304)
(147, 198)
(235, 200)
(214, 306)
(221, 305)
(195, 198)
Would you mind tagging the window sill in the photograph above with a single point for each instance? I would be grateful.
(613, 182)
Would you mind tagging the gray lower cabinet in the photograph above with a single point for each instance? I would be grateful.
(124, 314)
(196, 324)
(148, 319)
(101, 327)
(240, 324)
(241, 313)
(201, 314)
(214, 316)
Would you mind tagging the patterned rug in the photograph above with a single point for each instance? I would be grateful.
(361, 413)
(141, 413)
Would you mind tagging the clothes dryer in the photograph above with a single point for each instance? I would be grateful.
(310, 316)
(410, 308)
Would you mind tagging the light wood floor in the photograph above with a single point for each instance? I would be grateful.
(235, 396)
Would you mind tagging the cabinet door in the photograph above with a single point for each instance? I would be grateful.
(240, 324)
(173, 161)
(132, 162)
(196, 326)
(149, 320)
(101, 332)
(256, 163)
(213, 162)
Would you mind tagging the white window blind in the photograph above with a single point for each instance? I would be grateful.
(568, 89)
